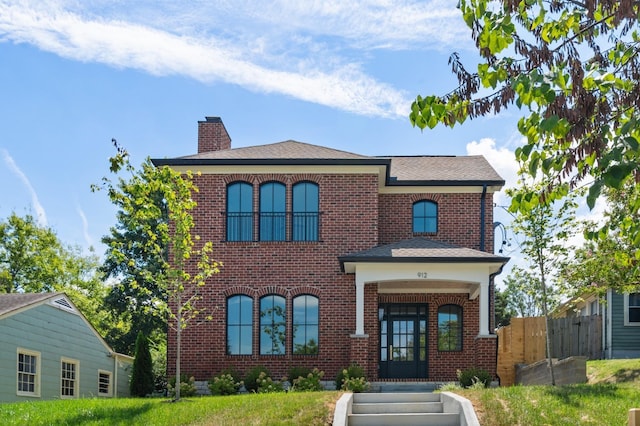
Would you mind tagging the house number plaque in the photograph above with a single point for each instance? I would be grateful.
(422, 275)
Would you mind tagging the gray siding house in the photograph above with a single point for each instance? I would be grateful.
(48, 350)
(620, 321)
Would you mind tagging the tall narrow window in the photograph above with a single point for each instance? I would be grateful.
(68, 378)
(239, 325)
(239, 212)
(272, 325)
(104, 383)
(305, 325)
(450, 328)
(272, 212)
(305, 212)
(425, 217)
(28, 373)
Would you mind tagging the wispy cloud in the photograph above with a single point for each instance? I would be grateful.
(85, 227)
(313, 52)
(41, 216)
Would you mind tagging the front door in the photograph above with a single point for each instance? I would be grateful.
(403, 341)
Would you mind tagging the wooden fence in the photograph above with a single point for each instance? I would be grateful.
(524, 342)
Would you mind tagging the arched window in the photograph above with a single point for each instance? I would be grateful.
(272, 325)
(450, 328)
(305, 325)
(272, 212)
(305, 212)
(239, 212)
(425, 217)
(239, 325)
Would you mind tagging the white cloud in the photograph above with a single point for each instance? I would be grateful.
(503, 161)
(307, 51)
(85, 227)
(41, 216)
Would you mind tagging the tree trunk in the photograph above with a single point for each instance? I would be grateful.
(547, 323)
(178, 340)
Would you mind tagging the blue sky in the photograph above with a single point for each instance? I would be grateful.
(75, 74)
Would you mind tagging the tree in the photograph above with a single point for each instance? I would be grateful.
(607, 262)
(573, 67)
(134, 262)
(34, 260)
(142, 383)
(503, 312)
(522, 293)
(545, 228)
(182, 268)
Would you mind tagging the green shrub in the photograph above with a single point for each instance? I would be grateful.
(224, 384)
(142, 383)
(353, 371)
(251, 379)
(267, 385)
(298, 371)
(473, 375)
(187, 386)
(310, 382)
(352, 379)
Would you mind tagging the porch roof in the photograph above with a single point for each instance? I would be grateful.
(420, 250)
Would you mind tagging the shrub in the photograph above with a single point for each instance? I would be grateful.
(267, 385)
(224, 384)
(473, 375)
(310, 382)
(142, 383)
(251, 379)
(352, 379)
(353, 371)
(187, 386)
(298, 371)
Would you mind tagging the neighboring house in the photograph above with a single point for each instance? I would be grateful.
(48, 350)
(332, 258)
(620, 320)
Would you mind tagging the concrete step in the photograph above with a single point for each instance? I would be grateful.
(395, 397)
(405, 419)
(405, 386)
(397, 407)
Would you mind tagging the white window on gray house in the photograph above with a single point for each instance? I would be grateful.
(632, 309)
(104, 383)
(28, 373)
(69, 378)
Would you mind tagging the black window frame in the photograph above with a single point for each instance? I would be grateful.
(272, 224)
(454, 342)
(424, 217)
(240, 325)
(240, 221)
(305, 326)
(305, 223)
(268, 325)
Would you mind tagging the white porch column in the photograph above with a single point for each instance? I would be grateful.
(484, 308)
(359, 306)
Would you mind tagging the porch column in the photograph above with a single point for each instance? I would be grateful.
(359, 307)
(484, 308)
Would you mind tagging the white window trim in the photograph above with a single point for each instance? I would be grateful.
(76, 380)
(627, 323)
(36, 392)
(109, 392)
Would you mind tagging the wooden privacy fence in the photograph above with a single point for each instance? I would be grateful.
(524, 342)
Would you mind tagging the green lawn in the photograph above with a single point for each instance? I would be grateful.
(613, 388)
(301, 408)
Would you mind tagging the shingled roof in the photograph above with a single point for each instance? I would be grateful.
(421, 249)
(400, 170)
(14, 301)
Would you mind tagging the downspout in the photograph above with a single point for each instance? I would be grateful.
(482, 214)
(115, 375)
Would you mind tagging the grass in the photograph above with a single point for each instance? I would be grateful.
(613, 388)
(300, 408)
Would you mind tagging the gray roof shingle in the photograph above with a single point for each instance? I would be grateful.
(422, 249)
(13, 301)
(442, 168)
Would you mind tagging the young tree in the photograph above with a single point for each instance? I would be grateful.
(573, 67)
(182, 268)
(545, 229)
(142, 383)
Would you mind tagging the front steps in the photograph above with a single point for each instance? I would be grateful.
(400, 409)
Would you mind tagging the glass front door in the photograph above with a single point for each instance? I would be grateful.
(403, 341)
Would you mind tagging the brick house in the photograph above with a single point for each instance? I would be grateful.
(332, 258)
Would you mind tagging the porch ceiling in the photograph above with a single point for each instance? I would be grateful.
(428, 286)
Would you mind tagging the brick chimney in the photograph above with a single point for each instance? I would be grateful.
(212, 135)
